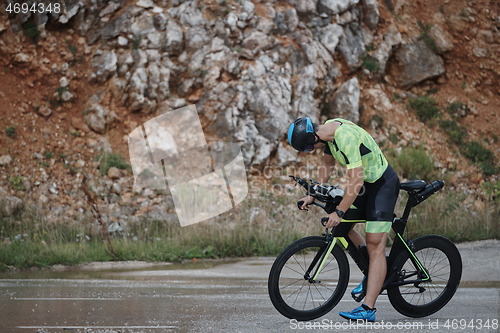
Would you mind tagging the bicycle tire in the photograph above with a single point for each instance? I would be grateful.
(294, 296)
(442, 260)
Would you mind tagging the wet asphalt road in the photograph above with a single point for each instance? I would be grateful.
(220, 296)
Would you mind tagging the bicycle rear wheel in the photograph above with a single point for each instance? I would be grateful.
(291, 288)
(442, 260)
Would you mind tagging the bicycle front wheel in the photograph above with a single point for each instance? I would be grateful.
(292, 290)
(442, 260)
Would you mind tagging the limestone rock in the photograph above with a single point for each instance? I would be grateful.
(442, 39)
(10, 205)
(371, 13)
(114, 173)
(105, 65)
(346, 101)
(352, 45)
(5, 159)
(304, 7)
(332, 7)
(44, 111)
(142, 25)
(286, 157)
(257, 41)
(385, 49)
(330, 36)
(418, 63)
(96, 118)
(23, 59)
(174, 38)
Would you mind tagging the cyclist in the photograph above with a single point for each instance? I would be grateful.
(373, 187)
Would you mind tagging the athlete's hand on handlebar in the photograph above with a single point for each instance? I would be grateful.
(303, 203)
(333, 220)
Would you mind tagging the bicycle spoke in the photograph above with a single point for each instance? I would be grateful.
(291, 284)
(319, 292)
(298, 263)
(298, 294)
(301, 274)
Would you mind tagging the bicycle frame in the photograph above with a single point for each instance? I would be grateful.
(339, 235)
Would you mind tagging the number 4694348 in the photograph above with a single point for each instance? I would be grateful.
(16, 8)
(471, 324)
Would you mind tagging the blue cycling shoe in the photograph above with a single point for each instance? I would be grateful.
(360, 313)
(359, 288)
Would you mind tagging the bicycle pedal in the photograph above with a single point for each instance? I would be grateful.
(358, 298)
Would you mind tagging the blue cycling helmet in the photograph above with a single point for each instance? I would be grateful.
(302, 135)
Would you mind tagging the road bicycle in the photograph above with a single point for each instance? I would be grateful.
(311, 275)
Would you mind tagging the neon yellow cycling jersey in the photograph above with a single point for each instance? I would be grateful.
(352, 146)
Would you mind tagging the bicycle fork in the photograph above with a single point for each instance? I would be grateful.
(321, 256)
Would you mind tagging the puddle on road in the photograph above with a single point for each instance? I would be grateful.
(106, 270)
(138, 271)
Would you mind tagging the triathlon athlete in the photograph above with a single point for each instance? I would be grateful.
(373, 187)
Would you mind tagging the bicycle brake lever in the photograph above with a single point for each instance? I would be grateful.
(299, 205)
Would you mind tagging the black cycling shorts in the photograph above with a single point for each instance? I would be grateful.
(378, 201)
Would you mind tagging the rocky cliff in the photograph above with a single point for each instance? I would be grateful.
(74, 84)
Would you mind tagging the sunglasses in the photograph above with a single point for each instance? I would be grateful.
(308, 149)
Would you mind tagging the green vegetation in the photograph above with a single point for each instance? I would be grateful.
(456, 106)
(17, 183)
(60, 91)
(107, 161)
(72, 48)
(136, 43)
(464, 13)
(449, 214)
(48, 154)
(431, 44)
(433, 91)
(482, 156)
(30, 30)
(456, 132)
(492, 190)
(72, 170)
(325, 110)
(412, 163)
(425, 108)
(10, 131)
(370, 63)
(394, 138)
(40, 242)
(379, 120)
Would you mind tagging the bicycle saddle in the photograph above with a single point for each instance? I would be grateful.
(413, 185)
